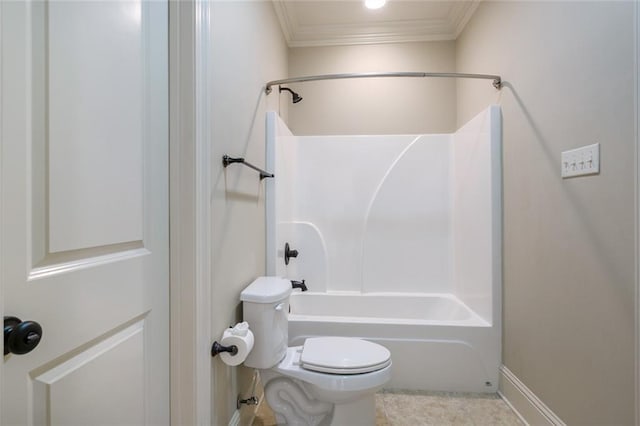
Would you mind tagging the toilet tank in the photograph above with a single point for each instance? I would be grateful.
(265, 305)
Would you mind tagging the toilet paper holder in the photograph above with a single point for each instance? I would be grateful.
(218, 348)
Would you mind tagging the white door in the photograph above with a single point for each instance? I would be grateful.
(84, 210)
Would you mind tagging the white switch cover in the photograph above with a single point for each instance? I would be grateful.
(581, 161)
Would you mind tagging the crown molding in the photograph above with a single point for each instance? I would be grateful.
(284, 17)
(461, 13)
(393, 31)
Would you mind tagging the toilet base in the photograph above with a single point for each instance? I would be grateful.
(293, 403)
(361, 412)
(356, 413)
(304, 397)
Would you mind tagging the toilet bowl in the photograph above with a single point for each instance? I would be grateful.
(325, 381)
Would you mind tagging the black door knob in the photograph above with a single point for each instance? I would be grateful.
(20, 337)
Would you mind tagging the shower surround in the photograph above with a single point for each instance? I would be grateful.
(399, 241)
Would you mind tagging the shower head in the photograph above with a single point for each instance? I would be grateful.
(295, 97)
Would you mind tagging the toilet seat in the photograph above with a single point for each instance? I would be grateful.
(343, 355)
(290, 366)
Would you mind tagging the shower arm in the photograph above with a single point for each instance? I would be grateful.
(497, 80)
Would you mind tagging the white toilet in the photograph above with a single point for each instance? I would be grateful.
(326, 381)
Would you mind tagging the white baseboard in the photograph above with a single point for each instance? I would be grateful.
(235, 419)
(530, 409)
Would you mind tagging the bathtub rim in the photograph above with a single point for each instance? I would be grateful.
(474, 319)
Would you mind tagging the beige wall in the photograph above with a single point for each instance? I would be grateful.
(248, 51)
(373, 106)
(568, 244)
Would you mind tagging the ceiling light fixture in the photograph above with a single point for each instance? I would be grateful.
(374, 4)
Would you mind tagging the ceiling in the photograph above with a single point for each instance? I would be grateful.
(331, 22)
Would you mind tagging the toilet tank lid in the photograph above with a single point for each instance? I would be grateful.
(266, 290)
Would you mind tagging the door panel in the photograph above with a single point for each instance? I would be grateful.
(84, 210)
(60, 395)
(95, 80)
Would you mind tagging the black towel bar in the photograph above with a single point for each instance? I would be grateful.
(226, 160)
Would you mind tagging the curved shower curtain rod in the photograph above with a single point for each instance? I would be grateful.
(497, 80)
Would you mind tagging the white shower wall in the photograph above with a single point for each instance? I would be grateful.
(392, 213)
(477, 213)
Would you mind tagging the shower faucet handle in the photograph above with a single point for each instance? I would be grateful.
(288, 253)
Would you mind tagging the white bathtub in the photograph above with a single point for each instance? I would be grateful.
(436, 341)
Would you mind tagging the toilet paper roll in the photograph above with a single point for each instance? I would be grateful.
(244, 343)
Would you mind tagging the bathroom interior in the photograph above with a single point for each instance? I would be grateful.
(474, 210)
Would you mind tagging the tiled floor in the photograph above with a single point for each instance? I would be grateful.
(410, 408)
(442, 408)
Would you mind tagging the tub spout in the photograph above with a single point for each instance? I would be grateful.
(299, 284)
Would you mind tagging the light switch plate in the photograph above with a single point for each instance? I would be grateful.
(581, 161)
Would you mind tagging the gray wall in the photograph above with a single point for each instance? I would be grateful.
(248, 51)
(568, 244)
(373, 106)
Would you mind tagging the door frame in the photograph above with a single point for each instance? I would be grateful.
(2, 142)
(190, 103)
(636, 115)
